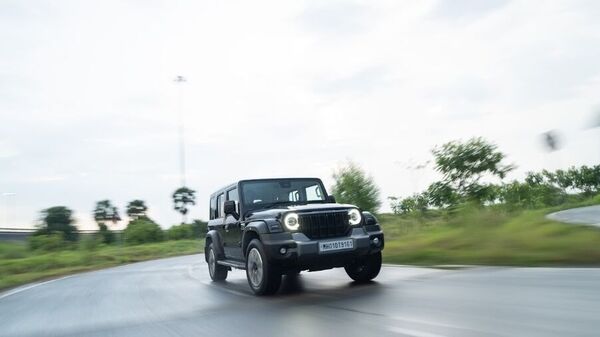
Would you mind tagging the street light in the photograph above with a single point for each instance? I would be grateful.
(179, 80)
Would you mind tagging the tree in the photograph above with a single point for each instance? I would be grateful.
(136, 209)
(353, 186)
(143, 230)
(463, 164)
(105, 211)
(182, 198)
(532, 193)
(441, 195)
(58, 219)
(586, 179)
(415, 203)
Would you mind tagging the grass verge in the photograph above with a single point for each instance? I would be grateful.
(476, 236)
(19, 265)
(489, 237)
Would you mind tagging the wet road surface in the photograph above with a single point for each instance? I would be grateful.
(174, 297)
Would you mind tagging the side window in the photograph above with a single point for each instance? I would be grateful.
(220, 202)
(314, 193)
(294, 196)
(233, 195)
(213, 207)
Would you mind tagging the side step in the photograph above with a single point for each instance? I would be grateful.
(233, 264)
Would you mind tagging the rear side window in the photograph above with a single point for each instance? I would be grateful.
(220, 202)
(213, 208)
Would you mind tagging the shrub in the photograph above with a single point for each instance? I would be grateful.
(89, 242)
(179, 232)
(49, 242)
(200, 228)
(143, 230)
(106, 236)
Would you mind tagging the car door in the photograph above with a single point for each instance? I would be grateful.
(233, 230)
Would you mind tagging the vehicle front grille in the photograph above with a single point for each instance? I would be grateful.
(324, 225)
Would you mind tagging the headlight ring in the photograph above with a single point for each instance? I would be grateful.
(354, 217)
(291, 221)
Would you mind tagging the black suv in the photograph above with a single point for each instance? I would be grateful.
(271, 227)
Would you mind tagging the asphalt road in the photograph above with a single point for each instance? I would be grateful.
(174, 297)
(583, 215)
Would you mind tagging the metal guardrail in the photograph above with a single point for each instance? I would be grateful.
(21, 234)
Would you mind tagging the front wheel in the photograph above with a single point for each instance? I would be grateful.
(365, 269)
(217, 272)
(263, 277)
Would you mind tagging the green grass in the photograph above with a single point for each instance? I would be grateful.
(489, 237)
(19, 265)
(485, 236)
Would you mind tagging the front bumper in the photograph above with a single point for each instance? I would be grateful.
(303, 253)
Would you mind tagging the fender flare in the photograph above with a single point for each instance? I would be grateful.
(256, 228)
(214, 236)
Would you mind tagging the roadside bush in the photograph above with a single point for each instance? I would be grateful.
(89, 242)
(50, 242)
(106, 236)
(530, 195)
(180, 232)
(200, 228)
(143, 230)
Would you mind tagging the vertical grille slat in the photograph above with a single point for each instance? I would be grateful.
(324, 225)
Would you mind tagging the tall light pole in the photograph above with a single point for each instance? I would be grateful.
(179, 81)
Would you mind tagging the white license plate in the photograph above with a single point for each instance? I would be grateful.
(328, 246)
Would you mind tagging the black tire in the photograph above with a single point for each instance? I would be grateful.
(217, 272)
(264, 278)
(364, 269)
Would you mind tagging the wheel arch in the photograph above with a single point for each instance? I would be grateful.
(213, 237)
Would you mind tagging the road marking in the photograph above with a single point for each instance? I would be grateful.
(413, 333)
(18, 290)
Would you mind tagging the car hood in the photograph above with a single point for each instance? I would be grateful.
(276, 211)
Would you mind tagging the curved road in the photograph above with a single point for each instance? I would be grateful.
(174, 297)
(583, 215)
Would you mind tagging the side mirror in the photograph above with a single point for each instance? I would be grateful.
(230, 208)
(331, 199)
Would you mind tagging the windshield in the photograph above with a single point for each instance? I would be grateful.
(262, 194)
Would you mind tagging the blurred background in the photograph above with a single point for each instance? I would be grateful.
(471, 129)
(90, 109)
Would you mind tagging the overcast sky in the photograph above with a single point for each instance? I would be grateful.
(88, 106)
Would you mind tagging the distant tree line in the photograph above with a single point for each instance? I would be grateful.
(56, 226)
(465, 165)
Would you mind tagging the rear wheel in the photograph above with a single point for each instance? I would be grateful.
(364, 269)
(217, 272)
(264, 278)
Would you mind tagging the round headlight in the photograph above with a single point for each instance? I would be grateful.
(291, 221)
(354, 217)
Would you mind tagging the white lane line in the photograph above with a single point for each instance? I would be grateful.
(18, 290)
(413, 333)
